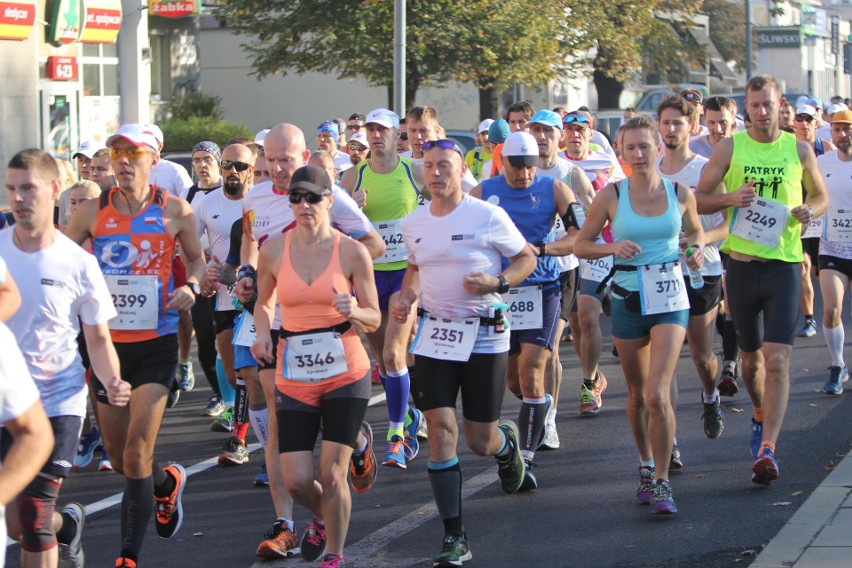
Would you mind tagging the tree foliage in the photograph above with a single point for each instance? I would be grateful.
(727, 28)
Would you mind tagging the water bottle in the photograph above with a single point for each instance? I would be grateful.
(696, 281)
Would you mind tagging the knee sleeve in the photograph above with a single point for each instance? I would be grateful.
(36, 505)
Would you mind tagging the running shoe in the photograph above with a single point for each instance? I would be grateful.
(454, 551)
(225, 421)
(423, 431)
(105, 464)
(551, 437)
(663, 501)
(530, 483)
(313, 541)
(395, 453)
(646, 485)
(548, 404)
(86, 450)
(173, 398)
(591, 400)
(511, 469)
(170, 509)
(412, 444)
(765, 469)
(567, 336)
(836, 378)
(186, 376)
(214, 407)
(728, 383)
(676, 462)
(125, 563)
(234, 452)
(279, 542)
(714, 422)
(262, 477)
(756, 437)
(363, 468)
(333, 561)
(71, 554)
(809, 329)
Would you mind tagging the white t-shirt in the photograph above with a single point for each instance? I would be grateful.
(474, 237)
(561, 171)
(600, 163)
(215, 214)
(835, 175)
(688, 176)
(601, 140)
(342, 161)
(170, 176)
(58, 284)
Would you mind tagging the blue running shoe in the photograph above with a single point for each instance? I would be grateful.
(663, 501)
(765, 469)
(262, 477)
(86, 450)
(395, 453)
(756, 437)
(412, 444)
(838, 376)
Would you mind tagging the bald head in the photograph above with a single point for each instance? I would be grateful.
(285, 151)
(237, 153)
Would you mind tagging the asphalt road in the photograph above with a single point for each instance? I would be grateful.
(583, 514)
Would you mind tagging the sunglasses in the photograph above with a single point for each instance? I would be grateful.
(239, 166)
(442, 144)
(312, 198)
(357, 148)
(403, 135)
(804, 118)
(354, 127)
(571, 118)
(129, 153)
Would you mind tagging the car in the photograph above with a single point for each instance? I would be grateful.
(465, 138)
(655, 94)
(184, 159)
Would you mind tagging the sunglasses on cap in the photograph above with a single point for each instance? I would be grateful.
(443, 144)
(312, 198)
(130, 153)
(804, 118)
(357, 148)
(571, 118)
(693, 97)
(239, 166)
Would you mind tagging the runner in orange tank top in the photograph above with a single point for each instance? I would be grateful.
(322, 371)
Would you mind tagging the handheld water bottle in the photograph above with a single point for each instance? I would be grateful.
(696, 281)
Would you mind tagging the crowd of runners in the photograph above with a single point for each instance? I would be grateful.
(391, 255)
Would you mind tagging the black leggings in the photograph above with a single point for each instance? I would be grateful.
(205, 336)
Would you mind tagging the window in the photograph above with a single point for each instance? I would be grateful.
(100, 69)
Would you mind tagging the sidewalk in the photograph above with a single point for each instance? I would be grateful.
(819, 535)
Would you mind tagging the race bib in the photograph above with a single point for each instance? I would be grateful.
(814, 228)
(839, 225)
(661, 288)
(391, 233)
(762, 222)
(135, 300)
(450, 339)
(245, 333)
(525, 310)
(596, 269)
(225, 299)
(314, 357)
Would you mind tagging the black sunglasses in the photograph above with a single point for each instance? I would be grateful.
(804, 118)
(403, 135)
(357, 148)
(312, 198)
(239, 166)
(442, 144)
(354, 127)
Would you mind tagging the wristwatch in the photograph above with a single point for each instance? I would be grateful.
(542, 249)
(194, 287)
(504, 284)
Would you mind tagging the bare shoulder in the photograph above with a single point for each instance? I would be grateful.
(177, 208)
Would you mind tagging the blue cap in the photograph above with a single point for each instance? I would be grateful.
(328, 126)
(547, 118)
(498, 131)
(816, 101)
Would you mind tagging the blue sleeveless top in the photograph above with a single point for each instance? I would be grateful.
(533, 211)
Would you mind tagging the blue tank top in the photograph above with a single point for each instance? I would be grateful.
(658, 236)
(533, 211)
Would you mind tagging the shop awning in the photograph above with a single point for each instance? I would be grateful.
(17, 19)
(103, 20)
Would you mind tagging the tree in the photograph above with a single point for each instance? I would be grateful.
(727, 28)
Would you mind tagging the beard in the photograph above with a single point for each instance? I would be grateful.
(232, 188)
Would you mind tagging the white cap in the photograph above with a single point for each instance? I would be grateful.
(155, 130)
(261, 136)
(837, 107)
(485, 125)
(806, 109)
(136, 134)
(88, 149)
(383, 117)
(360, 138)
(521, 145)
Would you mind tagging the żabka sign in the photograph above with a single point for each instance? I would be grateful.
(174, 8)
(67, 22)
(16, 19)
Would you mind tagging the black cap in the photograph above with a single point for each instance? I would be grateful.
(312, 178)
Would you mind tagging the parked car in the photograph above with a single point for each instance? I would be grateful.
(465, 138)
(184, 159)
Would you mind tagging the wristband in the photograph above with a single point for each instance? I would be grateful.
(542, 249)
